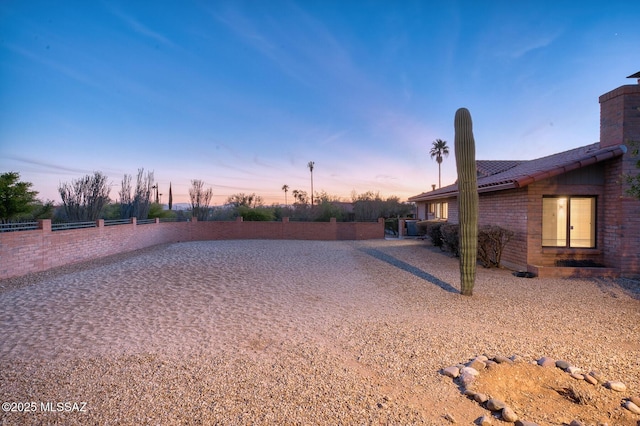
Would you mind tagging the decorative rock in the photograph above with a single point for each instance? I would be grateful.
(525, 423)
(484, 421)
(482, 358)
(480, 398)
(590, 379)
(502, 360)
(631, 407)
(477, 364)
(508, 415)
(562, 364)
(577, 376)
(465, 379)
(469, 370)
(571, 369)
(450, 418)
(616, 386)
(635, 400)
(490, 363)
(596, 375)
(546, 362)
(576, 423)
(495, 404)
(516, 358)
(469, 393)
(452, 372)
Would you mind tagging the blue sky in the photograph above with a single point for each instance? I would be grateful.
(242, 95)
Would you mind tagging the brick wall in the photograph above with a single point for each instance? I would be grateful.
(508, 209)
(26, 252)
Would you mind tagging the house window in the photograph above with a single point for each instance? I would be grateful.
(440, 210)
(569, 222)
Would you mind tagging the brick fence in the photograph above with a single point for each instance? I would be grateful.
(25, 252)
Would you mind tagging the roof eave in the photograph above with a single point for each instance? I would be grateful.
(573, 165)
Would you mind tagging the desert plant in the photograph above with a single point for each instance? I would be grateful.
(465, 149)
(200, 199)
(257, 214)
(450, 236)
(85, 198)
(432, 231)
(491, 242)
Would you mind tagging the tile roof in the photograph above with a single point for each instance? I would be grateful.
(491, 167)
(501, 175)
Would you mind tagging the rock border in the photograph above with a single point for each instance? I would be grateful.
(465, 374)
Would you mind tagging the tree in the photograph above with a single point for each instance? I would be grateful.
(370, 206)
(285, 188)
(311, 164)
(170, 197)
(137, 205)
(200, 199)
(301, 197)
(243, 200)
(15, 196)
(85, 198)
(142, 197)
(439, 148)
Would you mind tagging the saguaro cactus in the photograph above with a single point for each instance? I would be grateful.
(465, 149)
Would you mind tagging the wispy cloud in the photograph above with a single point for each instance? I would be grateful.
(43, 59)
(138, 27)
(47, 167)
(521, 47)
(301, 46)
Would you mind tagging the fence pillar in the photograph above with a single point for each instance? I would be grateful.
(100, 223)
(44, 224)
(400, 228)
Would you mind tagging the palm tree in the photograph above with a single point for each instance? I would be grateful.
(438, 149)
(310, 165)
(285, 188)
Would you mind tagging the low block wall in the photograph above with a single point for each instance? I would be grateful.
(24, 252)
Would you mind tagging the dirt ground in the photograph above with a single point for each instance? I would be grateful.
(550, 396)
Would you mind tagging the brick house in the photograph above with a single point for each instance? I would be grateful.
(568, 206)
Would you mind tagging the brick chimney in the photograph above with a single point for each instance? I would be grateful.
(620, 125)
(620, 115)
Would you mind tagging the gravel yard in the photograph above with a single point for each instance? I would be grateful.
(290, 332)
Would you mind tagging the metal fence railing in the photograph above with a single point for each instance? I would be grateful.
(62, 226)
(18, 226)
(72, 225)
(117, 222)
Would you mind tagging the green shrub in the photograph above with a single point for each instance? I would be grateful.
(432, 231)
(451, 238)
(421, 227)
(255, 214)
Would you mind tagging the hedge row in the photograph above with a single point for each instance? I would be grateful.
(492, 240)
